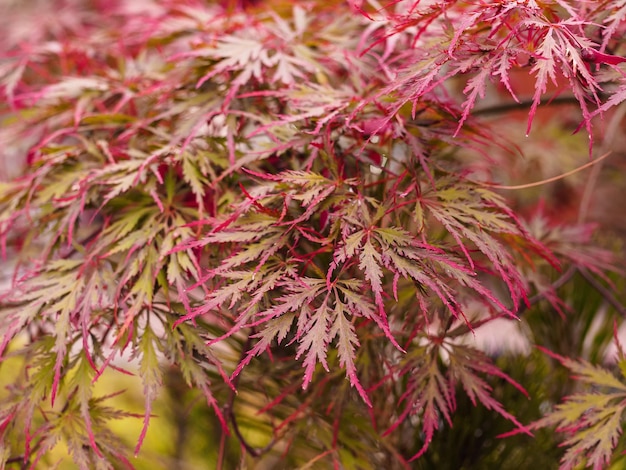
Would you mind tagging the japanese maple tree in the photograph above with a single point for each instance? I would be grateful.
(303, 212)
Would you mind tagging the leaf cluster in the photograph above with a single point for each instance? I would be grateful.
(243, 191)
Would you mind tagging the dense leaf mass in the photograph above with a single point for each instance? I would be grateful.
(208, 185)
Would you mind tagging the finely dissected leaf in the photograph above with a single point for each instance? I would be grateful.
(203, 182)
(151, 376)
(616, 98)
(465, 364)
(81, 382)
(545, 68)
(592, 422)
(195, 374)
(479, 217)
(193, 176)
(347, 340)
(318, 324)
(276, 328)
(314, 340)
(122, 176)
(250, 58)
(428, 387)
(370, 263)
(432, 388)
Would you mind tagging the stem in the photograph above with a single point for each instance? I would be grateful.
(549, 180)
(527, 103)
(222, 451)
(567, 275)
(464, 328)
(18, 459)
(229, 413)
(606, 293)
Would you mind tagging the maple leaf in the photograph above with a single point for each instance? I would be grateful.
(427, 389)
(479, 218)
(465, 365)
(248, 55)
(321, 318)
(556, 47)
(207, 178)
(151, 375)
(614, 21)
(347, 340)
(592, 421)
(431, 388)
(616, 98)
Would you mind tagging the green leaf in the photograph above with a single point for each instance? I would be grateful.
(108, 119)
(370, 263)
(193, 176)
(151, 376)
(592, 422)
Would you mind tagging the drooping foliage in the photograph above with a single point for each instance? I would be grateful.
(297, 198)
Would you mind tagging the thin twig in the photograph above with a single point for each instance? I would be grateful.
(561, 281)
(606, 293)
(19, 458)
(527, 103)
(549, 180)
(565, 277)
(229, 412)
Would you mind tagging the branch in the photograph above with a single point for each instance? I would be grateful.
(606, 293)
(548, 180)
(18, 459)
(527, 103)
(229, 413)
(567, 275)
(464, 328)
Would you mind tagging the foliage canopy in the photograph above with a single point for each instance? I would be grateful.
(295, 205)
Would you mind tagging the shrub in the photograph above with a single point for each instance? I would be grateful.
(305, 214)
